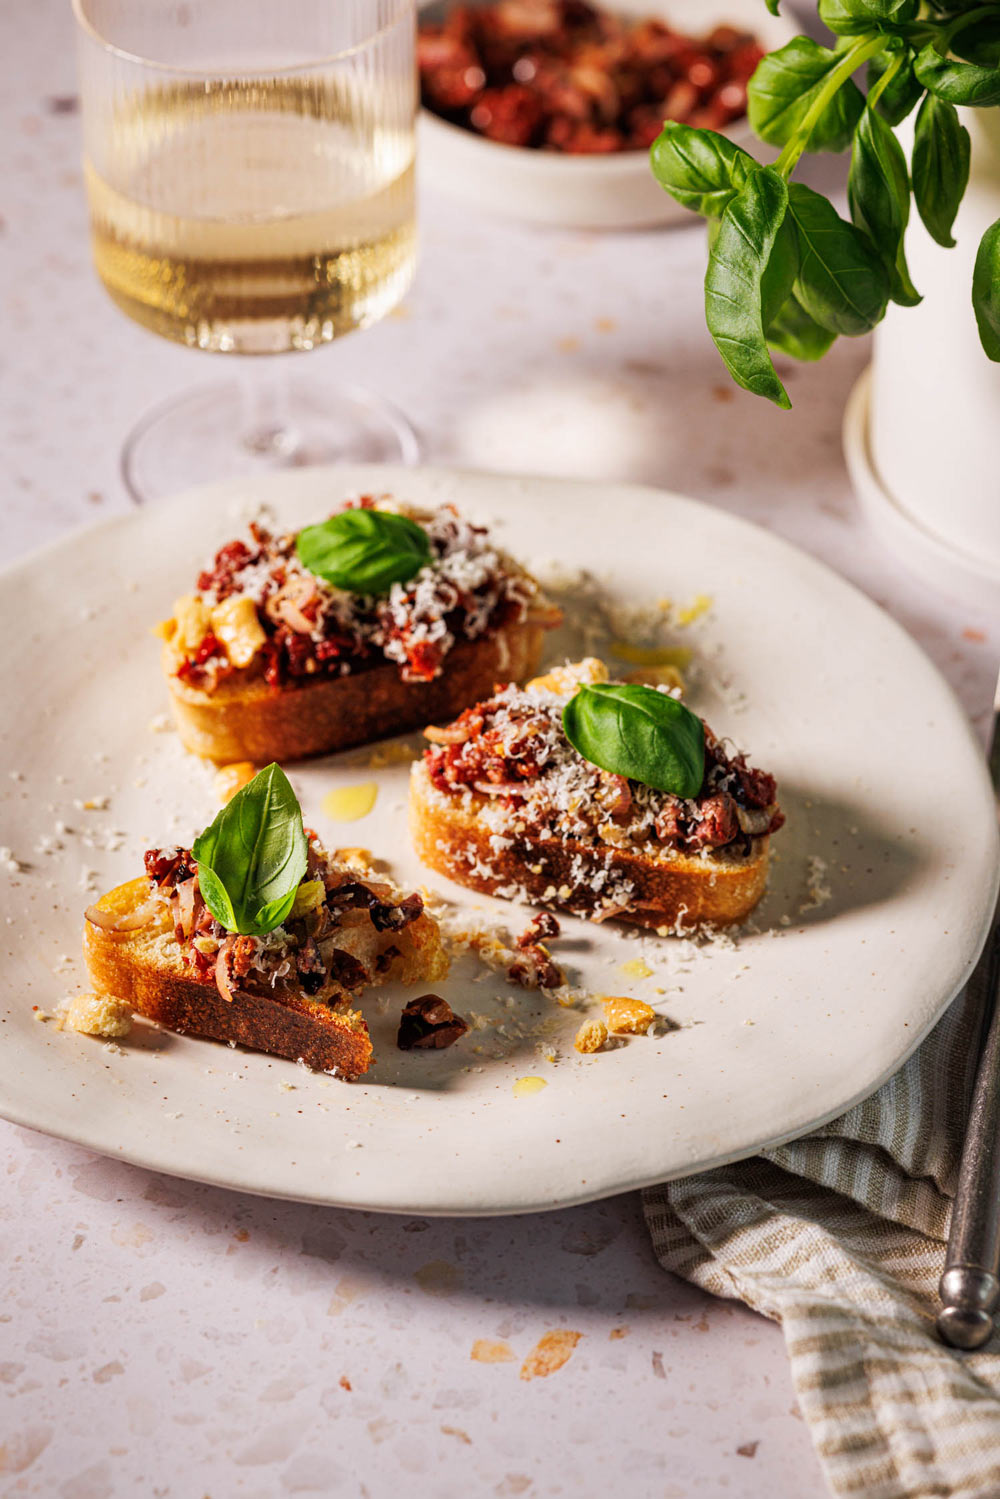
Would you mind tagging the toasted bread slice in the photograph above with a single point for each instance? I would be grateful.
(246, 719)
(147, 968)
(671, 892)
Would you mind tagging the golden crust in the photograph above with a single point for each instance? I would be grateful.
(245, 719)
(675, 891)
(145, 968)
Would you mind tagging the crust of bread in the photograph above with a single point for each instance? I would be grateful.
(146, 968)
(245, 719)
(673, 891)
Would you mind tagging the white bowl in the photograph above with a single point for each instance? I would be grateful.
(585, 192)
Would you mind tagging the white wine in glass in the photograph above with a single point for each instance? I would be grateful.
(256, 208)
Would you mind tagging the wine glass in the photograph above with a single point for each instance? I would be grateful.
(250, 174)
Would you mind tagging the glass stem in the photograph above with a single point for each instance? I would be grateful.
(267, 427)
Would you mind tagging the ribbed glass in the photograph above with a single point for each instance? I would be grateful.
(250, 167)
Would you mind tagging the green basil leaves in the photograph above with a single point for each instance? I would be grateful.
(957, 82)
(751, 260)
(878, 190)
(842, 283)
(941, 151)
(789, 84)
(785, 271)
(986, 291)
(901, 92)
(253, 856)
(792, 331)
(364, 551)
(702, 170)
(851, 17)
(640, 733)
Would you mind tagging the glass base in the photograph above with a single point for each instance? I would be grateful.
(228, 430)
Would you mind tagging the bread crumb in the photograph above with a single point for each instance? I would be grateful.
(98, 1015)
(160, 724)
(231, 778)
(358, 858)
(632, 1016)
(591, 1036)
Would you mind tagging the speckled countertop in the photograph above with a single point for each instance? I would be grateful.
(164, 1338)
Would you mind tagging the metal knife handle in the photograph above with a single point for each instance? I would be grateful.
(969, 1287)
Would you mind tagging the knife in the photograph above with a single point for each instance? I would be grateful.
(970, 1288)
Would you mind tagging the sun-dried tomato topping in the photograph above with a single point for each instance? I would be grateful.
(220, 577)
(512, 751)
(468, 590)
(169, 866)
(304, 948)
(563, 75)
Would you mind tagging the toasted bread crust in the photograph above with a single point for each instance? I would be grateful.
(145, 968)
(245, 719)
(680, 892)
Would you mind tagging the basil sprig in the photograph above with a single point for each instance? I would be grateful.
(803, 97)
(252, 858)
(364, 551)
(640, 733)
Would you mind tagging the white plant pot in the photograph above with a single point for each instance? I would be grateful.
(922, 429)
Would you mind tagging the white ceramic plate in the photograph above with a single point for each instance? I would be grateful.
(586, 192)
(853, 960)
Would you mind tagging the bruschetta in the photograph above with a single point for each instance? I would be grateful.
(372, 623)
(289, 990)
(503, 802)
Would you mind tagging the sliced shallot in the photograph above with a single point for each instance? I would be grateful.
(130, 921)
(223, 980)
(450, 735)
(184, 895)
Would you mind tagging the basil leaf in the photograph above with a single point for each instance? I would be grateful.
(957, 82)
(847, 17)
(785, 85)
(364, 551)
(253, 856)
(640, 733)
(979, 42)
(878, 190)
(941, 151)
(986, 291)
(901, 93)
(738, 262)
(779, 273)
(842, 283)
(772, 6)
(700, 169)
(794, 332)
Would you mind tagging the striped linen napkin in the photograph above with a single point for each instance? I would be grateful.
(840, 1237)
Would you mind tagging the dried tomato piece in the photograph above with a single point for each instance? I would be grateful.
(511, 115)
(429, 1022)
(541, 926)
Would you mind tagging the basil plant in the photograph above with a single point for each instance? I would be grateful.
(785, 271)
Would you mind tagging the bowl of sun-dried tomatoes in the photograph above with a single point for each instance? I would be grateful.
(545, 110)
